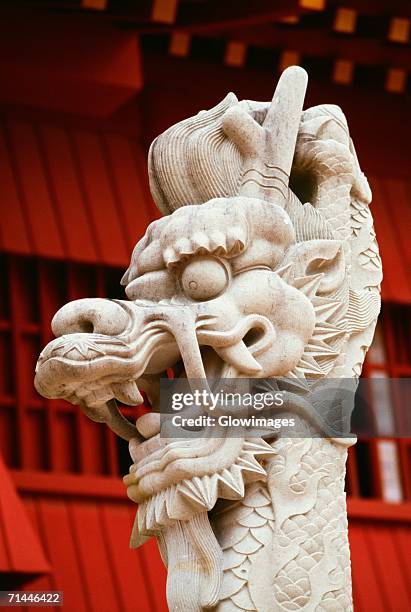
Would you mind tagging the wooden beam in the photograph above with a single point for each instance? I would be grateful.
(289, 58)
(164, 11)
(316, 42)
(343, 72)
(345, 20)
(396, 80)
(217, 13)
(235, 54)
(95, 5)
(49, 483)
(179, 44)
(313, 5)
(289, 19)
(375, 509)
(208, 17)
(399, 30)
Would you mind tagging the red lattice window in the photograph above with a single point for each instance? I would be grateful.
(35, 433)
(381, 468)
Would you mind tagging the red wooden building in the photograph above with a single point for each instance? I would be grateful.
(85, 87)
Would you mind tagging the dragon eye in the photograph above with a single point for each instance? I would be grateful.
(204, 278)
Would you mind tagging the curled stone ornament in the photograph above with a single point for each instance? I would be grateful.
(264, 265)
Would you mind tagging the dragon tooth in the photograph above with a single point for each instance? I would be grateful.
(240, 357)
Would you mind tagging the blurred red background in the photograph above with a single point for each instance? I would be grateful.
(85, 87)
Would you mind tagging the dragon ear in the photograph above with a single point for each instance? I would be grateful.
(319, 257)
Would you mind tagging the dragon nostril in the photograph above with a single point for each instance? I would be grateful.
(86, 327)
(90, 316)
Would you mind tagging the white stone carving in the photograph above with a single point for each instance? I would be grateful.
(265, 265)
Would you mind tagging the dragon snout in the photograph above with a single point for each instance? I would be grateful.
(91, 338)
(97, 315)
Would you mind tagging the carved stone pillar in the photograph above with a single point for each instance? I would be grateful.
(265, 265)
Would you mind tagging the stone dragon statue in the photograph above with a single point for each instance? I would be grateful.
(264, 265)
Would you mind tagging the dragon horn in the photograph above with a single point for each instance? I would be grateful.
(268, 149)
